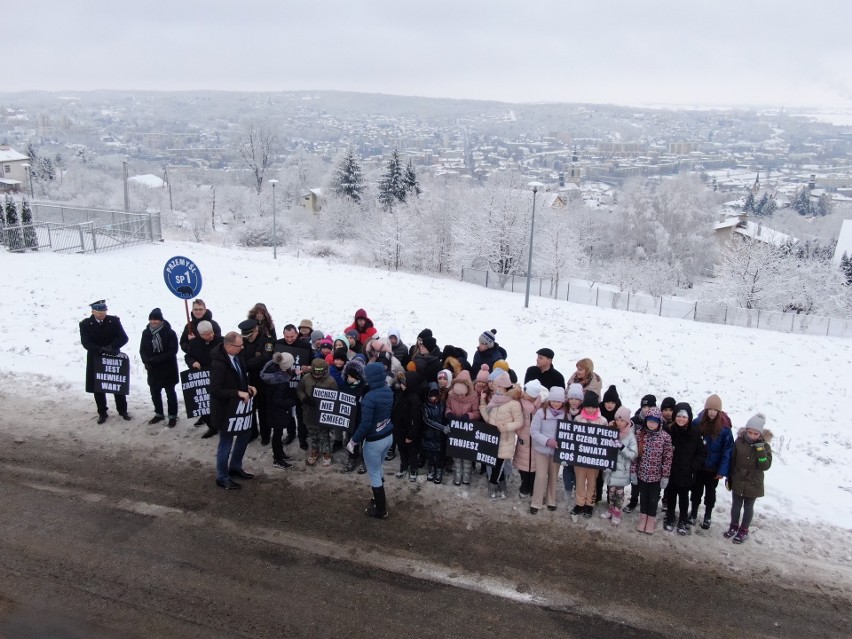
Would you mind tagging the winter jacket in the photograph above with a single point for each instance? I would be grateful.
(594, 384)
(200, 351)
(749, 461)
(162, 367)
(354, 369)
(302, 355)
(467, 405)
(184, 336)
(488, 356)
(549, 378)
(95, 336)
(256, 354)
(718, 450)
(376, 407)
(620, 475)
(385, 357)
(407, 415)
(224, 385)
(508, 418)
(428, 365)
(688, 454)
(433, 423)
(305, 393)
(369, 330)
(523, 460)
(280, 397)
(545, 423)
(655, 455)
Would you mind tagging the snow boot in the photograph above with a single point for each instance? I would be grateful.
(640, 526)
(575, 513)
(650, 525)
(439, 475)
(616, 516)
(669, 524)
(705, 525)
(432, 471)
(732, 530)
(492, 491)
(682, 528)
(378, 505)
(588, 511)
(607, 514)
(741, 536)
(350, 464)
(501, 488)
(467, 468)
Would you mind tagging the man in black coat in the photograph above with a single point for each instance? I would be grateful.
(302, 355)
(102, 334)
(200, 313)
(256, 352)
(543, 370)
(158, 352)
(198, 357)
(229, 386)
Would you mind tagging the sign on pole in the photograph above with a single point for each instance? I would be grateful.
(475, 441)
(196, 392)
(182, 277)
(586, 445)
(112, 374)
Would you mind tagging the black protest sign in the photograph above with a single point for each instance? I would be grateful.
(196, 392)
(239, 415)
(587, 445)
(476, 441)
(112, 374)
(334, 407)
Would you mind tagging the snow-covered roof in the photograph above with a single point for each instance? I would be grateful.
(149, 180)
(844, 242)
(11, 155)
(726, 224)
(763, 234)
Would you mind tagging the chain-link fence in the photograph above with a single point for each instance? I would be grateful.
(583, 292)
(81, 230)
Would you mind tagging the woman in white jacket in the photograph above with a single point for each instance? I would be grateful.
(545, 423)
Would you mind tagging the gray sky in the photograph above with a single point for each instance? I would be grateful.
(780, 52)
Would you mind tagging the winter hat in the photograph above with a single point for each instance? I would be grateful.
(446, 373)
(352, 333)
(156, 314)
(326, 342)
(756, 422)
(341, 354)
(611, 395)
(556, 394)
(513, 376)
(284, 360)
(316, 335)
(493, 374)
(502, 364)
(319, 367)
(306, 323)
(487, 338)
(545, 352)
(482, 375)
(433, 390)
(100, 305)
(685, 408)
(205, 327)
(533, 388)
(623, 413)
(502, 380)
(649, 400)
(654, 415)
(394, 332)
(713, 402)
(426, 332)
(590, 400)
(575, 391)
(430, 343)
(668, 402)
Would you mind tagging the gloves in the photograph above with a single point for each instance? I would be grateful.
(351, 447)
(447, 429)
(664, 482)
(633, 478)
(108, 350)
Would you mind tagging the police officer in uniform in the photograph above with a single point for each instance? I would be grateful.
(102, 334)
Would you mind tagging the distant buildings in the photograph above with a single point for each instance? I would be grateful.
(14, 169)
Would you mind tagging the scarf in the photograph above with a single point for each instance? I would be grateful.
(156, 340)
(499, 400)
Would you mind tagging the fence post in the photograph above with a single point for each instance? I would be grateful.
(49, 237)
(486, 279)
(758, 319)
(828, 327)
(150, 227)
(539, 287)
(661, 307)
(462, 273)
(568, 291)
(628, 300)
(792, 321)
(725, 321)
(695, 312)
(82, 239)
(597, 295)
(94, 240)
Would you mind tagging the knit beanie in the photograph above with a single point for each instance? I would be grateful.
(488, 337)
(611, 395)
(502, 380)
(649, 400)
(668, 402)
(714, 402)
(556, 394)
(623, 413)
(575, 391)
(446, 373)
(756, 422)
(284, 360)
(532, 388)
(156, 314)
(482, 375)
(426, 332)
(590, 400)
(502, 364)
(654, 415)
(341, 354)
(430, 343)
(316, 334)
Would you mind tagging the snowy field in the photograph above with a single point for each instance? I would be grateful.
(802, 383)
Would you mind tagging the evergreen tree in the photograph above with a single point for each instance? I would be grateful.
(393, 187)
(769, 208)
(30, 237)
(802, 202)
(824, 205)
(349, 178)
(748, 205)
(846, 267)
(13, 231)
(411, 182)
(760, 205)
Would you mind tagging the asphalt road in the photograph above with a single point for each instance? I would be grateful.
(98, 543)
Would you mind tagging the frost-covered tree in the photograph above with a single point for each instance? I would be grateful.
(29, 234)
(14, 239)
(801, 202)
(411, 182)
(749, 273)
(393, 187)
(749, 203)
(258, 146)
(348, 179)
(846, 268)
(824, 205)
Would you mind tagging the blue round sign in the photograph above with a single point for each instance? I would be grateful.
(182, 277)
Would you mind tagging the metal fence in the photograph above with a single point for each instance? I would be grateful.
(80, 230)
(584, 292)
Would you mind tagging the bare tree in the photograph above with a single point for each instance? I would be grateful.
(258, 147)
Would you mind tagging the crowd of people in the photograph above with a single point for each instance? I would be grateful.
(406, 398)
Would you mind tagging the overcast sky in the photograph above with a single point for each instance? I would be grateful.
(722, 52)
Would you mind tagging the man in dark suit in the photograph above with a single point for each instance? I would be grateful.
(229, 388)
(102, 334)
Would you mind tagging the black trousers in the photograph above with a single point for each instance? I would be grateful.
(527, 482)
(157, 399)
(705, 484)
(497, 471)
(299, 427)
(649, 496)
(120, 403)
(281, 423)
(681, 495)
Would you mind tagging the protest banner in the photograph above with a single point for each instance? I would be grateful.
(112, 374)
(239, 415)
(476, 441)
(335, 408)
(196, 392)
(586, 445)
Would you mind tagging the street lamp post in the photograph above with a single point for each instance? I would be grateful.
(274, 223)
(535, 186)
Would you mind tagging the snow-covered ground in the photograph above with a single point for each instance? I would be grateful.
(800, 382)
